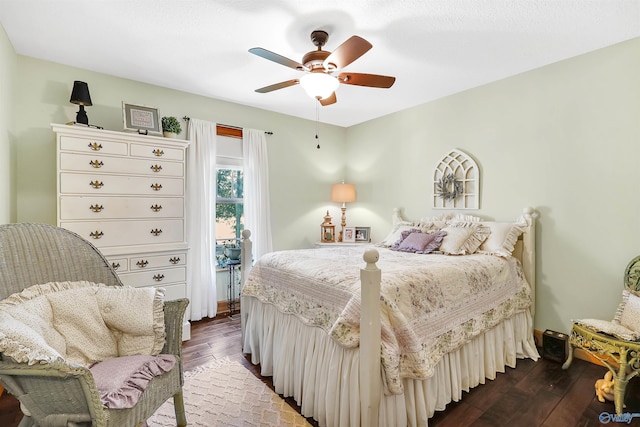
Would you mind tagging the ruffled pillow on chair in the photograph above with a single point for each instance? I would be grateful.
(628, 312)
(122, 380)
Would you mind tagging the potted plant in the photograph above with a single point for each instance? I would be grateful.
(232, 251)
(170, 127)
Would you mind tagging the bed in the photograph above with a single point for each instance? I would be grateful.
(384, 335)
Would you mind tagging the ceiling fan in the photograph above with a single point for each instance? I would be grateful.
(319, 66)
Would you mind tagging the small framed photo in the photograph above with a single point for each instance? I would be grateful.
(349, 235)
(363, 234)
(141, 119)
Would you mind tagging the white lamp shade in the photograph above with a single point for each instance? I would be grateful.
(319, 85)
(343, 193)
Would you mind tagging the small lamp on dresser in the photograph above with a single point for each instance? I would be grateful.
(343, 193)
(80, 96)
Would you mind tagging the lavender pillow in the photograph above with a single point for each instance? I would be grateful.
(403, 235)
(421, 243)
(122, 380)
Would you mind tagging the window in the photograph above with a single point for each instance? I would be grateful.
(229, 204)
(229, 200)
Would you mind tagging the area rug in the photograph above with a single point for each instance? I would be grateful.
(224, 393)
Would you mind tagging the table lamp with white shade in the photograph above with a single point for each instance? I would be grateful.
(343, 193)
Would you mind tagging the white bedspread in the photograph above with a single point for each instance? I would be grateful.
(431, 304)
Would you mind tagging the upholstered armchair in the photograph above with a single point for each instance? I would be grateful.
(61, 394)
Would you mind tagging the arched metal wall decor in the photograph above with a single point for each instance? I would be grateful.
(456, 182)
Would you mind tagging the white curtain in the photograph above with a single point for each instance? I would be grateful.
(201, 219)
(257, 211)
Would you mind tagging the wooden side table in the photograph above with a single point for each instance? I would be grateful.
(233, 287)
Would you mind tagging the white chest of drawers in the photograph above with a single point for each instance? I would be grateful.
(125, 193)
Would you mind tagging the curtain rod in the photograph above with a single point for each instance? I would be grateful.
(187, 118)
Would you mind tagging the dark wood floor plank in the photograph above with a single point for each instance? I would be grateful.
(457, 414)
(576, 401)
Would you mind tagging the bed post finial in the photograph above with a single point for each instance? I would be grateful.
(371, 256)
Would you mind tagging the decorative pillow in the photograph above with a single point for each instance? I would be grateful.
(435, 222)
(628, 312)
(122, 380)
(610, 328)
(463, 238)
(81, 322)
(441, 221)
(421, 243)
(403, 235)
(502, 239)
(396, 234)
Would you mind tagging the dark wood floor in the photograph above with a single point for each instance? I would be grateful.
(534, 394)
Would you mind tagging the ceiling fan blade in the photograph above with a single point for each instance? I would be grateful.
(370, 80)
(331, 99)
(347, 52)
(277, 86)
(277, 58)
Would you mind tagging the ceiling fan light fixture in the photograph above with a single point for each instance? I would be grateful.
(319, 85)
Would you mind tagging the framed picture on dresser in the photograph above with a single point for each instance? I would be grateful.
(141, 119)
(363, 234)
(349, 235)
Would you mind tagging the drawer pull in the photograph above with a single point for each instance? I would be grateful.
(158, 152)
(158, 277)
(95, 146)
(115, 265)
(96, 234)
(156, 207)
(96, 184)
(142, 263)
(174, 260)
(156, 187)
(156, 168)
(96, 208)
(156, 231)
(96, 164)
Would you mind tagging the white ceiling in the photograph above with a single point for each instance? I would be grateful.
(433, 47)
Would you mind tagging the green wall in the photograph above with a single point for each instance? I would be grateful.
(7, 158)
(564, 139)
(300, 175)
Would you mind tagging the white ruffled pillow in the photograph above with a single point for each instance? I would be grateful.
(396, 233)
(502, 239)
(81, 322)
(628, 312)
(463, 238)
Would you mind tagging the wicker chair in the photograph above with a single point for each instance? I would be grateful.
(58, 395)
(621, 357)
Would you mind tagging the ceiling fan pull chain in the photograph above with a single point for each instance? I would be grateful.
(317, 120)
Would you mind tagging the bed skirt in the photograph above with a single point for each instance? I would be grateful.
(322, 376)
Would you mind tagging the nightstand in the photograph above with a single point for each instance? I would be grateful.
(342, 244)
